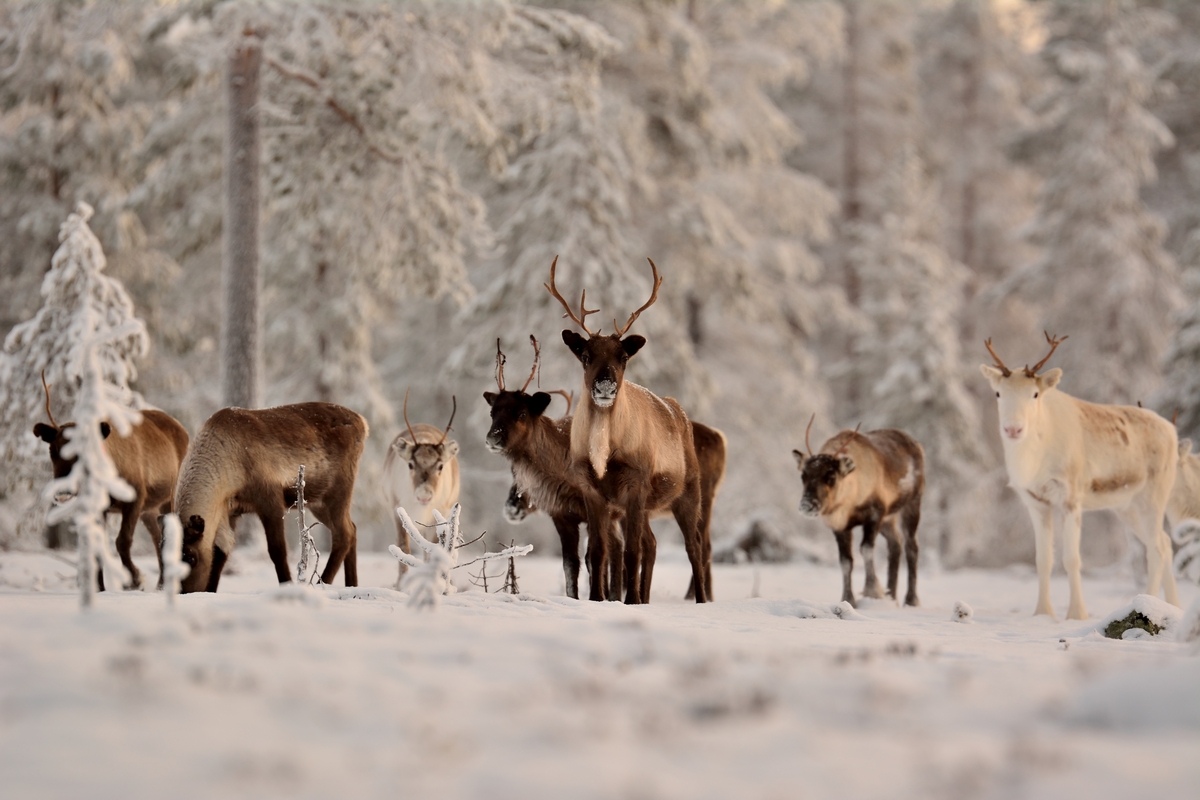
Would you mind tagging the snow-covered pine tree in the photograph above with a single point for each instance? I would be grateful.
(910, 360)
(85, 339)
(1103, 276)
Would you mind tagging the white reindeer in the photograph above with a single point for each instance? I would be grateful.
(1066, 456)
(420, 474)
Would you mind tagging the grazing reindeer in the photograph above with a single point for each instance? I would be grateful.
(1066, 456)
(1185, 495)
(147, 459)
(871, 480)
(539, 450)
(431, 482)
(635, 446)
(245, 461)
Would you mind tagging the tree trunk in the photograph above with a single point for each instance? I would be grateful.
(241, 282)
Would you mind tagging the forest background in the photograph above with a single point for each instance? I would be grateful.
(844, 198)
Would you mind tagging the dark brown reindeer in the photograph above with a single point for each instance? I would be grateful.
(539, 450)
(245, 461)
(147, 459)
(636, 447)
(871, 480)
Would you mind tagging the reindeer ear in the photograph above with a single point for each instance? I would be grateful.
(450, 449)
(993, 375)
(105, 430)
(1049, 379)
(403, 447)
(46, 433)
(490, 397)
(631, 344)
(1185, 447)
(796, 454)
(539, 403)
(845, 465)
(576, 342)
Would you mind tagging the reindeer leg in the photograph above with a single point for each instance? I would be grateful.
(150, 520)
(910, 518)
(1042, 515)
(870, 528)
(272, 521)
(344, 549)
(568, 535)
(686, 509)
(635, 529)
(649, 554)
(129, 519)
(846, 556)
(894, 548)
(598, 532)
(1072, 562)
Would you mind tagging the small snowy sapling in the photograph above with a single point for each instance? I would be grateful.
(175, 568)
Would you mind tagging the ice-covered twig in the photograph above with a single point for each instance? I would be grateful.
(508, 552)
(308, 545)
(175, 568)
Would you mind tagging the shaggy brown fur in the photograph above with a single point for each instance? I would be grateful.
(872, 480)
(147, 459)
(245, 461)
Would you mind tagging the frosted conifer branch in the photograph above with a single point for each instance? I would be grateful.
(175, 568)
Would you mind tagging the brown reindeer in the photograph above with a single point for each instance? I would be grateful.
(636, 447)
(538, 449)
(871, 480)
(147, 459)
(245, 461)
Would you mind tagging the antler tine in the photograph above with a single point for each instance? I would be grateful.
(570, 398)
(1005, 370)
(1054, 343)
(846, 443)
(1175, 418)
(500, 359)
(47, 390)
(537, 358)
(653, 296)
(807, 445)
(553, 290)
(453, 411)
(412, 435)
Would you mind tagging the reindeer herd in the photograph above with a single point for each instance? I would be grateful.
(626, 456)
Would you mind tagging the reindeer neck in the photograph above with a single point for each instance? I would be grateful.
(592, 432)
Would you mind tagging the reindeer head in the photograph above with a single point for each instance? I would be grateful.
(202, 553)
(821, 473)
(515, 413)
(55, 436)
(603, 357)
(426, 460)
(1020, 395)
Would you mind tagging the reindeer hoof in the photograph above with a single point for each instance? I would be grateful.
(911, 600)
(873, 590)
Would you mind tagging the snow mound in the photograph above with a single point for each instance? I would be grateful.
(1158, 612)
(805, 610)
(1141, 699)
(962, 613)
(301, 593)
(1189, 626)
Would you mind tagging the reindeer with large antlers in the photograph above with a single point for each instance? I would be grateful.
(635, 447)
(1066, 456)
(431, 482)
(870, 480)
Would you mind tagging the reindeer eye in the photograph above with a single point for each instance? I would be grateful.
(523, 415)
(1035, 394)
(440, 467)
(997, 394)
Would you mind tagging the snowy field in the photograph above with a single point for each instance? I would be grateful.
(263, 692)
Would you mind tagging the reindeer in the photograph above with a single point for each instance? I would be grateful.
(872, 480)
(147, 459)
(1185, 495)
(539, 451)
(635, 447)
(1065, 456)
(432, 482)
(245, 461)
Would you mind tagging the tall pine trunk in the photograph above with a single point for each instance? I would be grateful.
(241, 282)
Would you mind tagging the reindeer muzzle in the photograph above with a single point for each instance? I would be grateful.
(424, 495)
(809, 507)
(494, 442)
(604, 393)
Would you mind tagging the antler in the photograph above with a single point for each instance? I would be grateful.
(807, 445)
(653, 296)
(537, 358)
(570, 398)
(500, 359)
(583, 311)
(47, 390)
(1003, 369)
(411, 435)
(846, 443)
(1054, 343)
(453, 411)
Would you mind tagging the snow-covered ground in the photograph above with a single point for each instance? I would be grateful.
(261, 692)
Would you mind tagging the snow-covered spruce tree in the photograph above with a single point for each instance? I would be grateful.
(910, 361)
(1103, 277)
(76, 298)
(84, 339)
